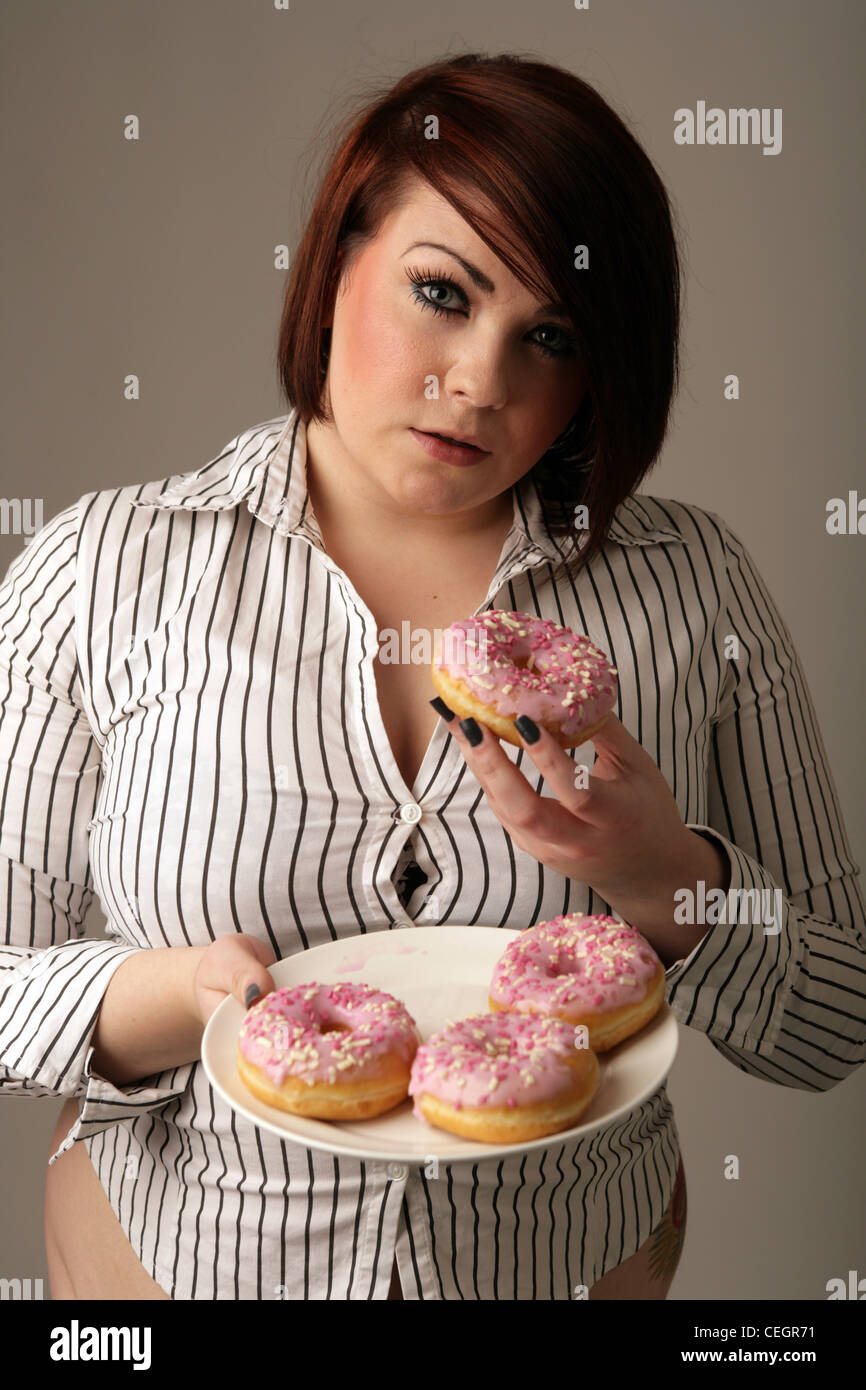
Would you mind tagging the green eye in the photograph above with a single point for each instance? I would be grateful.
(423, 280)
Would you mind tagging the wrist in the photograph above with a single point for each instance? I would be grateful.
(188, 1001)
(714, 862)
(701, 860)
(146, 1022)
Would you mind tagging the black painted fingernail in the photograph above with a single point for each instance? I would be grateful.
(252, 992)
(472, 731)
(441, 708)
(527, 730)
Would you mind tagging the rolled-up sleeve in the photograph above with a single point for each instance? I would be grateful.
(52, 979)
(778, 983)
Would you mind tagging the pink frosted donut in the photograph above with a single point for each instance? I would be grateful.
(592, 972)
(332, 1052)
(500, 665)
(502, 1078)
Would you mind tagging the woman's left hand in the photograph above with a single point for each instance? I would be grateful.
(620, 832)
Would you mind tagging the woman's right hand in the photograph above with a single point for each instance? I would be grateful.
(230, 965)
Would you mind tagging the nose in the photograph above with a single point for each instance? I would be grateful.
(480, 372)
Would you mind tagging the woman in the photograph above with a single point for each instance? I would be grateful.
(199, 726)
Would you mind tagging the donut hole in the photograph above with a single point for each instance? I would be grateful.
(527, 662)
(332, 1026)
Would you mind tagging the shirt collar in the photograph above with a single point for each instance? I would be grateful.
(266, 466)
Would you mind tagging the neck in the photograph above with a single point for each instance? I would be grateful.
(345, 502)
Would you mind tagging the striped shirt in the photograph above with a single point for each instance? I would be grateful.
(189, 729)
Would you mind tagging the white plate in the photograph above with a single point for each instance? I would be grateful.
(438, 973)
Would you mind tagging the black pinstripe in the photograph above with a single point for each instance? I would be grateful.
(189, 728)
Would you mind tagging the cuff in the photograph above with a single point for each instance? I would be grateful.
(735, 984)
(105, 1104)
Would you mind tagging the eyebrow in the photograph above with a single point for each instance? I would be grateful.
(483, 282)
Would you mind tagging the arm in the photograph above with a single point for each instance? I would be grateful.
(52, 979)
(787, 1004)
(157, 1003)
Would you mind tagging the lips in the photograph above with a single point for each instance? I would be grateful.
(464, 441)
(449, 439)
(449, 450)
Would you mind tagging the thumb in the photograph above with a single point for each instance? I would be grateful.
(615, 746)
(231, 965)
(250, 978)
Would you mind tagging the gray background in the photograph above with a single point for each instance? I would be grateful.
(155, 257)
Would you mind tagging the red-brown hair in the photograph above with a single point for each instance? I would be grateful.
(562, 170)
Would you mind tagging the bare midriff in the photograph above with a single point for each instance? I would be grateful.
(88, 1254)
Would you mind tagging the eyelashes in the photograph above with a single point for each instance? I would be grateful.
(424, 279)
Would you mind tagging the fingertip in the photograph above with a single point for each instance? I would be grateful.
(256, 989)
(527, 728)
(472, 731)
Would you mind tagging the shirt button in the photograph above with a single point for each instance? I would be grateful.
(398, 924)
(398, 1172)
(411, 813)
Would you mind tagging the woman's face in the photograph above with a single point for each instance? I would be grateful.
(390, 353)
